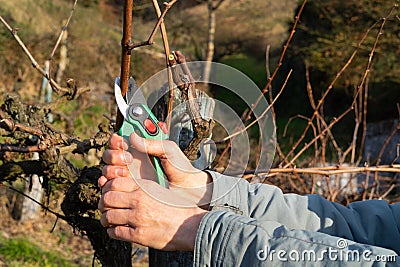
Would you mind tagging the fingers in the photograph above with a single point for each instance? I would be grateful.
(118, 142)
(112, 171)
(117, 157)
(124, 233)
(167, 151)
(116, 200)
(120, 184)
(116, 217)
(102, 181)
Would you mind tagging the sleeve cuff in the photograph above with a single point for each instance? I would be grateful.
(226, 194)
(212, 237)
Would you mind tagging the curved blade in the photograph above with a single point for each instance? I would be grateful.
(122, 106)
(134, 95)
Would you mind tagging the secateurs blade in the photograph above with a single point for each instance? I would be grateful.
(140, 119)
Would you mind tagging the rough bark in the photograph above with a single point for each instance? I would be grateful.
(22, 123)
(80, 209)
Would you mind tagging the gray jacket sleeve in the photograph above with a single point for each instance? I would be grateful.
(248, 219)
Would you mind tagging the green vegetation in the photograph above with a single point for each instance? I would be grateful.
(249, 65)
(20, 252)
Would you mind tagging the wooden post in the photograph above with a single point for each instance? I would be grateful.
(33, 188)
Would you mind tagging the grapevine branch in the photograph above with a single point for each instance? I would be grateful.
(325, 171)
(34, 200)
(63, 29)
(160, 20)
(56, 87)
(330, 87)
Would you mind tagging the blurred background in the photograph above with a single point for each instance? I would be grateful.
(249, 35)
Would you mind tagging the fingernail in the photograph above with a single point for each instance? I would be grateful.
(133, 136)
(128, 157)
(121, 172)
(125, 146)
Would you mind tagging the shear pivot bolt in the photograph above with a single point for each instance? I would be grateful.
(137, 111)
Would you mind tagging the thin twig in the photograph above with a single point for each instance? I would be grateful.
(330, 87)
(364, 115)
(307, 145)
(167, 52)
(280, 61)
(34, 200)
(35, 65)
(320, 118)
(387, 192)
(60, 37)
(324, 171)
(386, 142)
(160, 20)
(263, 113)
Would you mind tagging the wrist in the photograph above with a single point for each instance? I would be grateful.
(205, 201)
(196, 191)
(190, 229)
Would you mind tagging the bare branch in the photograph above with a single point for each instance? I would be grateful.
(280, 61)
(160, 20)
(12, 126)
(56, 87)
(330, 87)
(60, 37)
(386, 142)
(264, 112)
(34, 200)
(125, 57)
(324, 171)
(307, 145)
(28, 149)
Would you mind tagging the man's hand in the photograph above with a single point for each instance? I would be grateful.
(191, 185)
(133, 215)
(137, 209)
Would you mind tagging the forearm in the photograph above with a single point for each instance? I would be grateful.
(228, 239)
(370, 222)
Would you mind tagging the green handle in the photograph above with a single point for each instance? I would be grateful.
(131, 125)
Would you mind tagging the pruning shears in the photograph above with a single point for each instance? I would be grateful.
(140, 119)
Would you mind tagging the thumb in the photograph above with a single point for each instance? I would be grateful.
(175, 164)
(162, 149)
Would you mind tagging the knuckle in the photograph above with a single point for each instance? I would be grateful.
(108, 216)
(115, 157)
(115, 184)
(138, 234)
(150, 143)
(106, 155)
(100, 205)
(104, 171)
(104, 220)
(108, 198)
(170, 147)
(139, 194)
